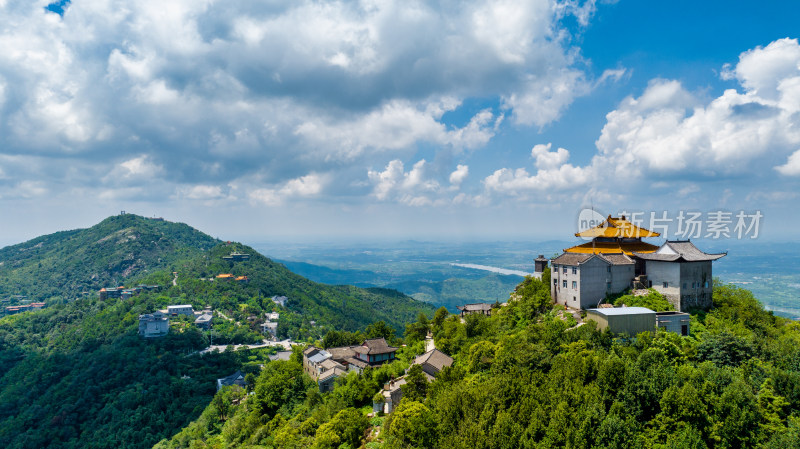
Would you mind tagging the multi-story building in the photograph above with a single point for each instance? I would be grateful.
(154, 324)
(617, 259)
(682, 273)
(583, 280)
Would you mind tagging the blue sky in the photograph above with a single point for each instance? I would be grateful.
(298, 120)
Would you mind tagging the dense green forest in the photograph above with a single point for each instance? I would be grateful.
(528, 377)
(77, 375)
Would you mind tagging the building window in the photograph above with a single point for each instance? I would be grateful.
(684, 285)
(565, 284)
(574, 299)
(692, 284)
(565, 270)
(706, 285)
(608, 268)
(666, 284)
(555, 281)
(574, 284)
(574, 270)
(608, 285)
(684, 330)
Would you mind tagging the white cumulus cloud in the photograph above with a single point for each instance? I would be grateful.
(792, 165)
(459, 175)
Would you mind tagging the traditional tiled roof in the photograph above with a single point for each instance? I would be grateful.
(311, 350)
(679, 250)
(342, 352)
(236, 378)
(375, 346)
(613, 247)
(334, 372)
(571, 259)
(617, 227)
(330, 364)
(435, 358)
(354, 361)
(477, 307)
(617, 259)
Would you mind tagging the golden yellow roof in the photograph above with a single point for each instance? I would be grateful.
(617, 227)
(612, 247)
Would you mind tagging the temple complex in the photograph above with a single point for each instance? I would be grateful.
(616, 259)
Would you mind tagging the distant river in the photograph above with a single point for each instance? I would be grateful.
(492, 269)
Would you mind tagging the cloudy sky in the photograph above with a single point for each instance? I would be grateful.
(269, 119)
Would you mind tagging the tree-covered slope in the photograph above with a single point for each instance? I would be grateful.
(70, 264)
(527, 377)
(330, 307)
(77, 375)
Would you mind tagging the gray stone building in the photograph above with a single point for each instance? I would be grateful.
(581, 280)
(153, 325)
(682, 273)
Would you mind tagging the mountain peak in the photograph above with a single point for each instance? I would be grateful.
(72, 264)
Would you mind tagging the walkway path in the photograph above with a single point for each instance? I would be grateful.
(285, 344)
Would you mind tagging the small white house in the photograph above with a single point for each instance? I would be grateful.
(182, 309)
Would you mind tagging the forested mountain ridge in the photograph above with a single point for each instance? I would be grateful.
(127, 249)
(72, 264)
(77, 375)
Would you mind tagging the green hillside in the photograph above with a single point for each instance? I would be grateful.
(528, 377)
(77, 375)
(331, 307)
(71, 264)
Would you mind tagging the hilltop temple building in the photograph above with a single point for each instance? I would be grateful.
(617, 259)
